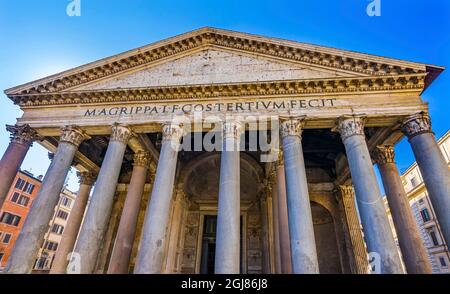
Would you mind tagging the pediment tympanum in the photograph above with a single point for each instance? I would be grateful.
(212, 66)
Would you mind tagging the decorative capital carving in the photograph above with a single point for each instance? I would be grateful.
(86, 178)
(291, 127)
(23, 135)
(346, 191)
(73, 135)
(121, 133)
(141, 158)
(280, 157)
(232, 129)
(417, 124)
(350, 126)
(383, 154)
(172, 132)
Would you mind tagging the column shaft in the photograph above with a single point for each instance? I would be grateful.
(36, 224)
(150, 256)
(413, 250)
(276, 227)
(21, 140)
(301, 230)
(283, 222)
(265, 230)
(359, 261)
(227, 259)
(377, 231)
(65, 247)
(99, 210)
(121, 254)
(433, 167)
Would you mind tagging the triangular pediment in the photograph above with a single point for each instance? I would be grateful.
(213, 66)
(215, 56)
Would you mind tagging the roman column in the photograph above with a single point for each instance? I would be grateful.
(283, 222)
(99, 210)
(65, 247)
(121, 254)
(359, 259)
(301, 230)
(432, 165)
(42, 209)
(276, 227)
(21, 139)
(227, 259)
(377, 231)
(150, 255)
(413, 250)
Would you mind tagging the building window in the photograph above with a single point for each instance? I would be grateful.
(52, 246)
(23, 200)
(66, 202)
(20, 199)
(421, 201)
(1, 256)
(434, 238)
(57, 229)
(62, 214)
(19, 184)
(425, 215)
(28, 188)
(442, 261)
(14, 197)
(414, 182)
(40, 263)
(6, 238)
(10, 219)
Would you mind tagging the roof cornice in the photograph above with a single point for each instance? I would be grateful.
(411, 82)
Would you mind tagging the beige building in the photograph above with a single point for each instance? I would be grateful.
(217, 151)
(424, 213)
(52, 238)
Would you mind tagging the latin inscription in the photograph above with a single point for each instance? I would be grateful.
(268, 105)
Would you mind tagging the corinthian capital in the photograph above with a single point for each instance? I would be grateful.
(24, 135)
(346, 191)
(291, 127)
(350, 126)
(417, 124)
(86, 178)
(73, 135)
(172, 132)
(121, 133)
(232, 129)
(383, 154)
(141, 158)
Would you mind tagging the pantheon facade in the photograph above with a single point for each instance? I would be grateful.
(149, 203)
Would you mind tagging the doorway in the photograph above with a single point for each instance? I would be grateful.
(208, 250)
(208, 244)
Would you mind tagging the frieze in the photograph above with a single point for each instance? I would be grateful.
(233, 107)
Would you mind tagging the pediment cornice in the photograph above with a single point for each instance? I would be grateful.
(339, 60)
(354, 85)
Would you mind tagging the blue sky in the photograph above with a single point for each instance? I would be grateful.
(38, 38)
